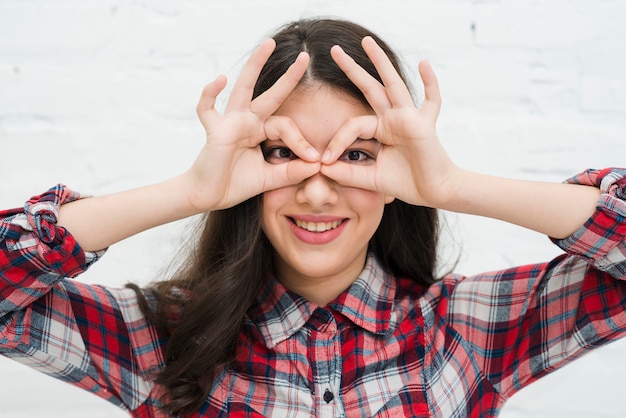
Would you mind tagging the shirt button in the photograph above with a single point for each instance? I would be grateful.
(328, 396)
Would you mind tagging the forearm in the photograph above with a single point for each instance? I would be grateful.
(553, 209)
(101, 221)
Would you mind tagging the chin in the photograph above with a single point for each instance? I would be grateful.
(325, 267)
(316, 270)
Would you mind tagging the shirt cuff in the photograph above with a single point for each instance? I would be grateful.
(33, 230)
(601, 238)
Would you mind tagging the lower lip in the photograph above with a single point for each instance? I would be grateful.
(317, 238)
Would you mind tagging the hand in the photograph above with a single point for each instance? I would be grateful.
(411, 164)
(230, 167)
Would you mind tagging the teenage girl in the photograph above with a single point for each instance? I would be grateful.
(311, 287)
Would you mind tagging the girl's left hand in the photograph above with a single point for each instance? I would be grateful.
(411, 164)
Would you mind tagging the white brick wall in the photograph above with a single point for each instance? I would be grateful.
(100, 95)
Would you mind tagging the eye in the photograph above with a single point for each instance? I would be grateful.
(278, 155)
(356, 155)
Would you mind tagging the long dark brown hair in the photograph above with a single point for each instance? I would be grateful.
(202, 307)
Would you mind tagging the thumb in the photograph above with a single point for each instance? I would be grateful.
(351, 175)
(288, 174)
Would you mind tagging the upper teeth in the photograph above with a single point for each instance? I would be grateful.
(317, 226)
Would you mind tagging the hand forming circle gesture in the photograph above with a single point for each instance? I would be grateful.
(230, 167)
(411, 164)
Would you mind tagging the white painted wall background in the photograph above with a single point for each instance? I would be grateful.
(100, 95)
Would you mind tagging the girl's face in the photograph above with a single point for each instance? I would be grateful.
(319, 229)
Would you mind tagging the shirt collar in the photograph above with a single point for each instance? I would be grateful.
(368, 303)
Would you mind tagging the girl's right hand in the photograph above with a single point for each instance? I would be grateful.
(231, 167)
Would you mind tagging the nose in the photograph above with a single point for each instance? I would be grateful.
(317, 191)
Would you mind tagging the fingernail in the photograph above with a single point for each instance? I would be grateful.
(326, 156)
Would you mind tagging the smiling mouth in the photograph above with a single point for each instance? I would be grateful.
(317, 226)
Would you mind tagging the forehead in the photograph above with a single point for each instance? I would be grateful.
(319, 111)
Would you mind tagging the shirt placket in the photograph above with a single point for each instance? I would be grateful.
(327, 370)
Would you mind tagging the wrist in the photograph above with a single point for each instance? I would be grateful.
(191, 197)
(442, 186)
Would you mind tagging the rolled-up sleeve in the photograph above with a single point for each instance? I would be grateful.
(601, 239)
(35, 252)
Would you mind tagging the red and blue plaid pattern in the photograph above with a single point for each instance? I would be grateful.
(386, 347)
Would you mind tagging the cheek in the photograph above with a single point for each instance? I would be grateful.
(370, 205)
(273, 200)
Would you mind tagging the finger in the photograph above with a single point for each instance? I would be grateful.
(351, 175)
(395, 86)
(293, 172)
(363, 127)
(432, 95)
(244, 86)
(373, 91)
(285, 129)
(271, 99)
(210, 93)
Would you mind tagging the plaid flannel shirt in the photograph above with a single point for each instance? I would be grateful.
(387, 346)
